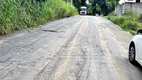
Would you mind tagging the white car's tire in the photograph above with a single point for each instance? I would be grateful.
(132, 53)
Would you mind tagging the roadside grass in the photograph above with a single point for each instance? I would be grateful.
(129, 21)
(22, 14)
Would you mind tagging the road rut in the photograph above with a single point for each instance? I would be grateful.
(75, 48)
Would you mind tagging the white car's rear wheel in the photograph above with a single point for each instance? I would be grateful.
(132, 54)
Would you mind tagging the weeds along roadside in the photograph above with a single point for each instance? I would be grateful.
(129, 21)
(22, 14)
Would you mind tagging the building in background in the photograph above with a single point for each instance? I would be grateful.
(129, 5)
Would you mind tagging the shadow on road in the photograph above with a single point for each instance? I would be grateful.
(137, 65)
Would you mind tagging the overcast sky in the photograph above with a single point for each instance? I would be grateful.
(87, 2)
(121, 1)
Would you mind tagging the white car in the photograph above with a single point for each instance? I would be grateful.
(135, 48)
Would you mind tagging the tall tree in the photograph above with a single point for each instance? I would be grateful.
(97, 6)
(83, 2)
(102, 5)
(79, 3)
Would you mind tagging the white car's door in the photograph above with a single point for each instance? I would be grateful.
(139, 52)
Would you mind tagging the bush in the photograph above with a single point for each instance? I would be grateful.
(130, 25)
(21, 14)
(132, 32)
(140, 18)
(111, 14)
(129, 21)
(119, 20)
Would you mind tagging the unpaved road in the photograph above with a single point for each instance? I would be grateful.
(75, 48)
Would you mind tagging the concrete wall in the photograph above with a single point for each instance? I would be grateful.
(119, 10)
(126, 7)
(136, 7)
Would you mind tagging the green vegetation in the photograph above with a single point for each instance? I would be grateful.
(129, 21)
(22, 14)
(96, 6)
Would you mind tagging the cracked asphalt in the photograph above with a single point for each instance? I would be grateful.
(75, 48)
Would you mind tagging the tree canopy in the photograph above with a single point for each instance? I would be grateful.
(97, 6)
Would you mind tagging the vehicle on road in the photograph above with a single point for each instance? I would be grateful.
(83, 10)
(135, 48)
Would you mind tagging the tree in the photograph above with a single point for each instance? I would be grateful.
(102, 5)
(106, 6)
(83, 2)
(97, 6)
(79, 3)
(111, 4)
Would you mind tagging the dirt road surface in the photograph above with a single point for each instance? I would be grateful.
(75, 48)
